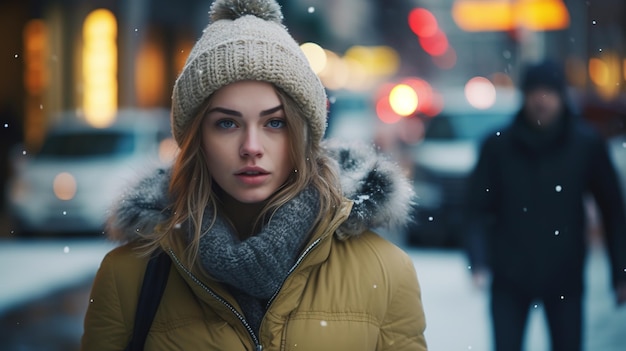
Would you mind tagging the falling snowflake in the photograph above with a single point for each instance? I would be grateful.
(558, 188)
(311, 9)
(323, 323)
(66, 249)
(556, 232)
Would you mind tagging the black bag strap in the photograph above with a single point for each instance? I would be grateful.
(154, 282)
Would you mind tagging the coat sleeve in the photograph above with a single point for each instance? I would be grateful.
(605, 188)
(105, 325)
(404, 323)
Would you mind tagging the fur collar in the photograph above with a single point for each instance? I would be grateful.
(381, 195)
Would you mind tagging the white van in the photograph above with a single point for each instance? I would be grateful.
(70, 184)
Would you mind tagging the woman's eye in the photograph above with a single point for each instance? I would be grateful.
(226, 124)
(276, 123)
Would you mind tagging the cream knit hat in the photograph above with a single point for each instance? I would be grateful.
(245, 40)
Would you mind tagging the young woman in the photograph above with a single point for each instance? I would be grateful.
(267, 227)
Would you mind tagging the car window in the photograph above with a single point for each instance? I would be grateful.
(474, 126)
(87, 144)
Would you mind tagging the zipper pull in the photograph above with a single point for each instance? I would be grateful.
(259, 347)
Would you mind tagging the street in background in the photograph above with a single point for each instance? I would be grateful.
(69, 185)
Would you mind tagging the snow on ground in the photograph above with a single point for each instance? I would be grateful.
(31, 269)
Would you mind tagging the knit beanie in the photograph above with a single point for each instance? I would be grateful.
(545, 74)
(246, 40)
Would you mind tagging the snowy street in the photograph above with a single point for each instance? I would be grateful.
(33, 272)
(457, 314)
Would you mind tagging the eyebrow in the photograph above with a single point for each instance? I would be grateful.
(238, 114)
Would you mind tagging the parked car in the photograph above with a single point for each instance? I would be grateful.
(444, 160)
(69, 185)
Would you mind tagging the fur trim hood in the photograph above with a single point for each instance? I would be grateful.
(381, 195)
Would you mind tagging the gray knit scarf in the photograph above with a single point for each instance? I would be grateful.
(255, 268)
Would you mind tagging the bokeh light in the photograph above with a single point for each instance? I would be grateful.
(435, 45)
(383, 107)
(100, 68)
(64, 186)
(403, 100)
(422, 22)
(480, 92)
(315, 55)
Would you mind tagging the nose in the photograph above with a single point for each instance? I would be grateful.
(251, 144)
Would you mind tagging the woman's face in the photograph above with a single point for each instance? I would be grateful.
(245, 141)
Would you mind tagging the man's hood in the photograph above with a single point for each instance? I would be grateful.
(381, 195)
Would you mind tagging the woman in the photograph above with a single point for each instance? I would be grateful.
(267, 227)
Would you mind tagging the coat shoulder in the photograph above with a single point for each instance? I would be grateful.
(372, 249)
(122, 269)
(125, 258)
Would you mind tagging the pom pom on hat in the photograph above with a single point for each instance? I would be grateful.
(233, 9)
(245, 40)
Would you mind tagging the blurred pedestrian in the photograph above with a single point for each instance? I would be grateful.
(267, 227)
(527, 217)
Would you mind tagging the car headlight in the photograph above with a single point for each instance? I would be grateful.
(64, 186)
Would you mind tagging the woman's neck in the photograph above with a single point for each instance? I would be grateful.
(243, 216)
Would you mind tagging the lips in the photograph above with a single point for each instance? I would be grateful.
(251, 171)
(252, 175)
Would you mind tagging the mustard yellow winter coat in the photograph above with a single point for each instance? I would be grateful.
(357, 294)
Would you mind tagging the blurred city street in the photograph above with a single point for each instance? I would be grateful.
(85, 108)
(46, 283)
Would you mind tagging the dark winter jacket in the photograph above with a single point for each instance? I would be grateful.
(526, 210)
(349, 290)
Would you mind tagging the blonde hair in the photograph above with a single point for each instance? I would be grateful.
(191, 185)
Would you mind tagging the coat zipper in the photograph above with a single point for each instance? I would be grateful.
(242, 319)
(293, 268)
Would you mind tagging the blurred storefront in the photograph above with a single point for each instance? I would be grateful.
(93, 56)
